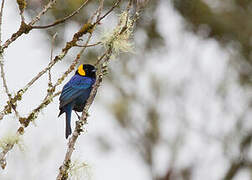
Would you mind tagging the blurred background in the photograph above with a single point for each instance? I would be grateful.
(178, 108)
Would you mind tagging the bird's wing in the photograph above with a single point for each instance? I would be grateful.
(74, 88)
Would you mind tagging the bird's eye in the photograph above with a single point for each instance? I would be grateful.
(81, 71)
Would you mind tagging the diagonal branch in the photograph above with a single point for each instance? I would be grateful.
(60, 21)
(107, 13)
(46, 8)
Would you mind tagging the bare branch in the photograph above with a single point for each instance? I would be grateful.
(7, 91)
(46, 8)
(100, 9)
(100, 59)
(60, 21)
(97, 12)
(3, 77)
(22, 5)
(107, 13)
(51, 58)
(1, 18)
(89, 45)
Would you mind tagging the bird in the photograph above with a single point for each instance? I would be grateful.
(75, 93)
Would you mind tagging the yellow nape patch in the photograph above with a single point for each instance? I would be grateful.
(81, 70)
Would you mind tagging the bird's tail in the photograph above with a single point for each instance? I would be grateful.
(68, 123)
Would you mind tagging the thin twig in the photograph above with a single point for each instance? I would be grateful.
(22, 17)
(3, 77)
(97, 12)
(1, 18)
(89, 45)
(22, 5)
(127, 18)
(61, 20)
(57, 94)
(46, 8)
(100, 9)
(100, 59)
(109, 11)
(7, 91)
(51, 59)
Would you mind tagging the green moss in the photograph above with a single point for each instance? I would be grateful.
(7, 109)
(88, 27)
(24, 121)
(21, 130)
(22, 5)
(25, 28)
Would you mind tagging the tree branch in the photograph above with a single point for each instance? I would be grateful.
(89, 45)
(107, 13)
(51, 58)
(60, 21)
(1, 18)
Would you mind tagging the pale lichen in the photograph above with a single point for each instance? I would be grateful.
(11, 139)
(119, 38)
(80, 170)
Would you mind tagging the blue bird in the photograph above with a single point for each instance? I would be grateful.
(76, 92)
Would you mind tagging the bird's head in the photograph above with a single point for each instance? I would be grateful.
(86, 70)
